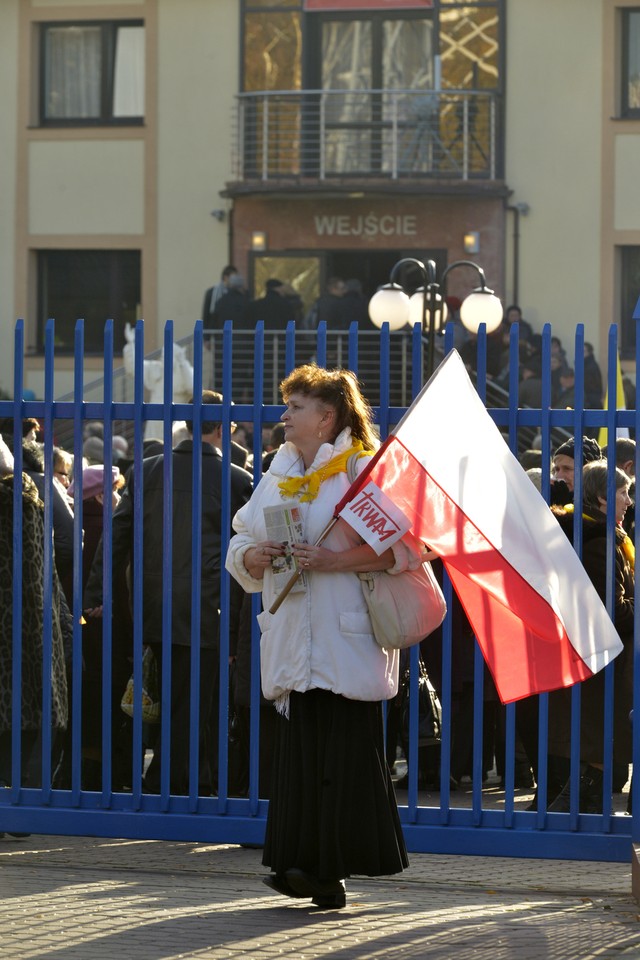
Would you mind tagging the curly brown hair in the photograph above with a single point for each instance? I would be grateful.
(340, 390)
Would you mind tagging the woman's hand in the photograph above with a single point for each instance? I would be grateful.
(312, 557)
(358, 559)
(258, 558)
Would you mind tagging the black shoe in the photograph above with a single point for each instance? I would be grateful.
(590, 795)
(306, 885)
(336, 902)
(279, 884)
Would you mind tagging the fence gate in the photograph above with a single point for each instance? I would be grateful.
(470, 794)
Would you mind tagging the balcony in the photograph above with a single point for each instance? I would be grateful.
(390, 135)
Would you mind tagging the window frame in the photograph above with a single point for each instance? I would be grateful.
(627, 272)
(115, 288)
(312, 77)
(626, 112)
(108, 31)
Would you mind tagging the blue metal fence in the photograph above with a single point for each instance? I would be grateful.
(477, 821)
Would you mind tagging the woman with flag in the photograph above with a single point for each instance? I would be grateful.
(332, 811)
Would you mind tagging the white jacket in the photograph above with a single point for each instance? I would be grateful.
(321, 638)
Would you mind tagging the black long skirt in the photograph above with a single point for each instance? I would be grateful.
(333, 810)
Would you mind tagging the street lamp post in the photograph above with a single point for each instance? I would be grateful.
(427, 306)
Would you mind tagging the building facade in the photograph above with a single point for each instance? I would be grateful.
(147, 143)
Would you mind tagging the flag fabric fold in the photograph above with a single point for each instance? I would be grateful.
(538, 619)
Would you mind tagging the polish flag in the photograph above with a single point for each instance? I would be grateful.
(538, 618)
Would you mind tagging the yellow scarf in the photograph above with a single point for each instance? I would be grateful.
(629, 551)
(623, 539)
(292, 486)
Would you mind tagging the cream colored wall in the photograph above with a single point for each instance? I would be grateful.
(80, 188)
(81, 3)
(553, 158)
(198, 47)
(8, 72)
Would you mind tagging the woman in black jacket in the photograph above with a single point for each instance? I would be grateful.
(594, 559)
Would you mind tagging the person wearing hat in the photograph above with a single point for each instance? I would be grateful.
(563, 466)
(93, 484)
(93, 450)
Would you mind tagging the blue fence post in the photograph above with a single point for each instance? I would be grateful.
(16, 693)
(137, 580)
(107, 607)
(47, 621)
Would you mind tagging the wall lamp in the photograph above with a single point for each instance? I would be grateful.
(258, 240)
(471, 242)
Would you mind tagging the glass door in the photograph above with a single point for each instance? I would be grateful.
(375, 73)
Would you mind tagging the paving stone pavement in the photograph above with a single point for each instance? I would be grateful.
(87, 898)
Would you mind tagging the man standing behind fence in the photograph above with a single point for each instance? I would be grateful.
(154, 589)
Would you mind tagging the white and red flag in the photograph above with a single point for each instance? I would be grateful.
(448, 472)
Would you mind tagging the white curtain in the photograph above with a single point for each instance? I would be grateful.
(128, 74)
(72, 73)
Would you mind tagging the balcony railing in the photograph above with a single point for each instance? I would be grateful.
(390, 134)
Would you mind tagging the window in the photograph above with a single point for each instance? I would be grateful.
(92, 73)
(95, 285)
(629, 287)
(630, 87)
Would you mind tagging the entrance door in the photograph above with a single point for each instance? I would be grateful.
(374, 268)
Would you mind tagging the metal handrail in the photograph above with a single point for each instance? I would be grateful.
(284, 134)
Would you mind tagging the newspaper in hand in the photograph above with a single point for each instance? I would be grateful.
(284, 524)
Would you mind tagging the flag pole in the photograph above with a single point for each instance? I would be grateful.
(288, 587)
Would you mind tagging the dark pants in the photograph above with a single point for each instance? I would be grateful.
(29, 758)
(181, 723)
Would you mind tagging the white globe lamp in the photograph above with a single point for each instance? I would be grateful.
(389, 304)
(481, 306)
(416, 308)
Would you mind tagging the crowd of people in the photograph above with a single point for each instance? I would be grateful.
(319, 663)
(343, 302)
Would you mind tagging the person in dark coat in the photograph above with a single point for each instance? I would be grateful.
(233, 306)
(274, 309)
(33, 598)
(329, 307)
(154, 589)
(215, 293)
(356, 305)
(594, 559)
(121, 642)
(593, 390)
(33, 466)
